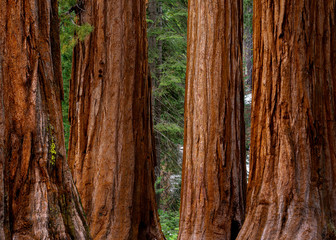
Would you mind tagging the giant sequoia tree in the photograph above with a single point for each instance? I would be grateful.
(214, 175)
(38, 199)
(291, 192)
(111, 149)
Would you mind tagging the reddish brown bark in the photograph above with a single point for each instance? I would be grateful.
(38, 197)
(214, 174)
(112, 146)
(291, 192)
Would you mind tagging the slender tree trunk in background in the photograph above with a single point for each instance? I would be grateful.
(291, 192)
(112, 145)
(248, 48)
(214, 174)
(38, 199)
(155, 45)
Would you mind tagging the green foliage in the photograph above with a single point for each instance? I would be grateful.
(65, 5)
(170, 56)
(170, 87)
(157, 188)
(169, 28)
(169, 91)
(71, 32)
(171, 130)
(169, 223)
(248, 15)
(52, 146)
(53, 152)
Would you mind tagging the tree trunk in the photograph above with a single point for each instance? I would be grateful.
(38, 199)
(214, 174)
(111, 149)
(291, 192)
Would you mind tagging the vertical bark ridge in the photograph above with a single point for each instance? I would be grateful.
(2, 128)
(292, 177)
(214, 174)
(111, 146)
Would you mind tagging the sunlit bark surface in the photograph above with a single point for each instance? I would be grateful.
(291, 191)
(214, 174)
(38, 199)
(112, 153)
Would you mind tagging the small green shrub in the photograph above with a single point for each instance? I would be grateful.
(169, 223)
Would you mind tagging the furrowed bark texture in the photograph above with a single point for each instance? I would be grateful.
(214, 174)
(112, 153)
(291, 191)
(38, 199)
